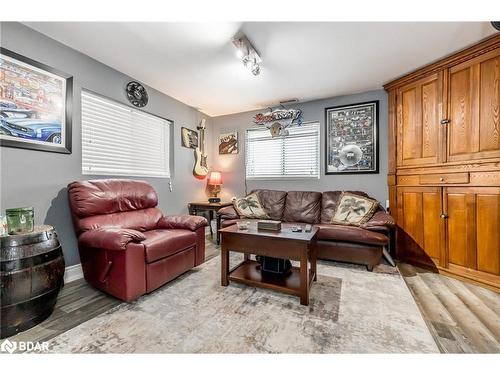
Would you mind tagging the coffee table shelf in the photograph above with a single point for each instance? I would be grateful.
(248, 272)
(285, 244)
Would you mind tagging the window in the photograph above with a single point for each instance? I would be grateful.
(119, 140)
(292, 156)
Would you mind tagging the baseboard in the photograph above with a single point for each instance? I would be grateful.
(73, 273)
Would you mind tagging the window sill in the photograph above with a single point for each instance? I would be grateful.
(112, 174)
(282, 178)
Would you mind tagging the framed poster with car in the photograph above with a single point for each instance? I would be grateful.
(352, 138)
(35, 105)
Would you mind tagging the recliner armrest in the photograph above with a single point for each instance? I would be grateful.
(182, 222)
(110, 238)
(380, 220)
(228, 213)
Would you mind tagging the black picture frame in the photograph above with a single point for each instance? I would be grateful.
(375, 170)
(66, 147)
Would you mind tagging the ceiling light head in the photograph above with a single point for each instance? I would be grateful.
(246, 60)
(255, 69)
(241, 49)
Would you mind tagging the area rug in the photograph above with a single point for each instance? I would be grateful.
(351, 311)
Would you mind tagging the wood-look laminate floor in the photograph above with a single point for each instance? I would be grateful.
(78, 302)
(462, 317)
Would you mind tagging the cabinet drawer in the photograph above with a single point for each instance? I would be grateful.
(445, 178)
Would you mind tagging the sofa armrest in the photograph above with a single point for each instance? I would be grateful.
(110, 238)
(228, 213)
(380, 221)
(190, 222)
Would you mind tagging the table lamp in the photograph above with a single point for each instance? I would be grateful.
(214, 182)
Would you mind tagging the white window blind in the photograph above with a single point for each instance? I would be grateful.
(292, 156)
(119, 140)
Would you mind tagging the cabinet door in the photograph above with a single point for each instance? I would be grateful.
(420, 226)
(419, 107)
(473, 109)
(473, 230)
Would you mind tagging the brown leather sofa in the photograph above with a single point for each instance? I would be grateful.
(127, 246)
(362, 245)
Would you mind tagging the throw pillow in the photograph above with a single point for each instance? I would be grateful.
(250, 207)
(354, 209)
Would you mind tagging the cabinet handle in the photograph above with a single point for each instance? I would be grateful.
(444, 216)
(441, 179)
(445, 121)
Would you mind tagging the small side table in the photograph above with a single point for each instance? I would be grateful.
(212, 208)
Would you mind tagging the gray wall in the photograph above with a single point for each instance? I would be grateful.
(233, 166)
(39, 179)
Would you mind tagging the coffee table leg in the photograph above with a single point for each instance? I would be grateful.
(314, 259)
(224, 255)
(304, 280)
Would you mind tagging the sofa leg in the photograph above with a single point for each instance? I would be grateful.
(369, 267)
(388, 257)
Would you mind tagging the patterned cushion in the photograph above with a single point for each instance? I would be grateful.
(250, 207)
(354, 209)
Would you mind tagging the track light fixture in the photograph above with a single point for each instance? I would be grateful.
(248, 54)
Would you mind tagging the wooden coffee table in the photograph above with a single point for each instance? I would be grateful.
(286, 244)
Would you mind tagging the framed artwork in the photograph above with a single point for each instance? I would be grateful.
(35, 105)
(352, 138)
(228, 143)
(189, 138)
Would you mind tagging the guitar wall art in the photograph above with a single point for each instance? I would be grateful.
(200, 169)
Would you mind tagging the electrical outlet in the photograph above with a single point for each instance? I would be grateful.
(387, 204)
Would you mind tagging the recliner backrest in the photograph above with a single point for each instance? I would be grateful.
(115, 203)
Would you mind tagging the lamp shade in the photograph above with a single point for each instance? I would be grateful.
(214, 178)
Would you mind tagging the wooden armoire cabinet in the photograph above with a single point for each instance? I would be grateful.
(444, 164)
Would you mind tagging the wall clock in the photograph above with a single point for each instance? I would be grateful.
(137, 94)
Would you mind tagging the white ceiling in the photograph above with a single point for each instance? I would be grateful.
(196, 62)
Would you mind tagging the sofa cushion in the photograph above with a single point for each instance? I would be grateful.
(330, 201)
(227, 213)
(273, 202)
(161, 243)
(346, 233)
(250, 207)
(303, 207)
(354, 209)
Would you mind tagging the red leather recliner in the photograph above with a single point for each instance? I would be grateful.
(127, 247)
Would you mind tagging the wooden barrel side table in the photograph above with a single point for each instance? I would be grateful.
(31, 275)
